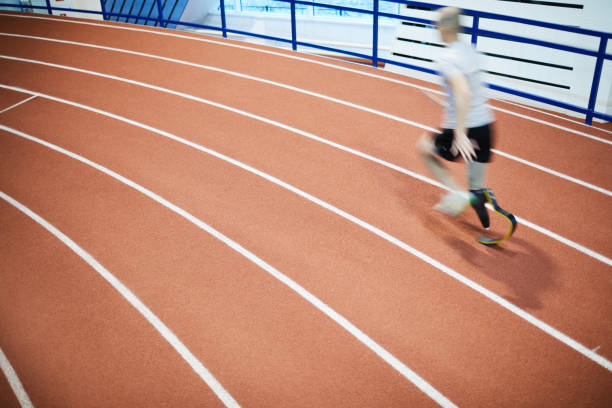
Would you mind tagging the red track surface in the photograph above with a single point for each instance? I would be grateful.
(75, 341)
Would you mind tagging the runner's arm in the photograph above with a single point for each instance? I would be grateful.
(461, 96)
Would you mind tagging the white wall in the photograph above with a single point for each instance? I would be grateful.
(595, 15)
(197, 10)
(346, 34)
(78, 4)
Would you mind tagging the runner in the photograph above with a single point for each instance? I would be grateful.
(466, 124)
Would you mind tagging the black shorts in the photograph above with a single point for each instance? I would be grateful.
(483, 135)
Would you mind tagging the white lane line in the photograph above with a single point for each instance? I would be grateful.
(325, 97)
(402, 170)
(312, 299)
(535, 165)
(17, 104)
(13, 379)
(413, 377)
(269, 121)
(554, 125)
(235, 74)
(599, 139)
(555, 116)
(555, 173)
(563, 240)
(166, 333)
(294, 57)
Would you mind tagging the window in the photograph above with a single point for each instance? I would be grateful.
(281, 7)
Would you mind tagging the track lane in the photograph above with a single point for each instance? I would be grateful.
(324, 97)
(604, 177)
(263, 49)
(266, 344)
(597, 129)
(8, 398)
(276, 241)
(70, 336)
(9, 98)
(278, 145)
(592, 233)
(357, 153)
(370, 92)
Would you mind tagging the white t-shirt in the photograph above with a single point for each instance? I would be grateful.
(459, 57)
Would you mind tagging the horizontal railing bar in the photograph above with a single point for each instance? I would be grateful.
(407, 18)
(395, 16)
(324, 48)
(484, 14)
(331, 6)
(144, 18)
(466, 29)
(503, 89)
(52, 8)
(141, 17)
(538, 98)
(481, 14)
(603, 116)
(267, 37)
(403, 64)
(547, 44)
(487, 33)
(194, 25)
(493, 34)
(108, 13)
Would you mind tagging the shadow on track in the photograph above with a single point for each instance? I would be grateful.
(520, 265)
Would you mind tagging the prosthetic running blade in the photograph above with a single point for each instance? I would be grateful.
(494, 241)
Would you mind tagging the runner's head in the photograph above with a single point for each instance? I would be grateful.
(448, 23)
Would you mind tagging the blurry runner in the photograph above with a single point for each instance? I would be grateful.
(466, 123)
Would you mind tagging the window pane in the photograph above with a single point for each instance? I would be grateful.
(281, 7)
(269, 6)
(230, 5)
(361, 4)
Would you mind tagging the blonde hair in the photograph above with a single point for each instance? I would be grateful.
(449, 18)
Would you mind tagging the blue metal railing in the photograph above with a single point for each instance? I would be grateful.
(474, 31)
(145, 11)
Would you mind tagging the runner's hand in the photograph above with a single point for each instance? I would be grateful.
(463, 145)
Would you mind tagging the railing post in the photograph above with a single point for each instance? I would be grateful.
(160, 15)
(223, 23)
(293, 29)
(49, 7)
(475, 29)
(103, 8)
(375, 35)
(603, 44)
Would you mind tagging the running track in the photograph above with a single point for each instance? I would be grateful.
(221, 224)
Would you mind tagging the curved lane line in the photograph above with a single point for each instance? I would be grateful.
(166, 333)
(312, 61)
(11, 376)
(311, 298)
(303, 91)
(417, 176)
(543, 112)
(17, 104)
(410, 375)
(278, 124)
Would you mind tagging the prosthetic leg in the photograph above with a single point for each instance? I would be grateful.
(482, 196)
